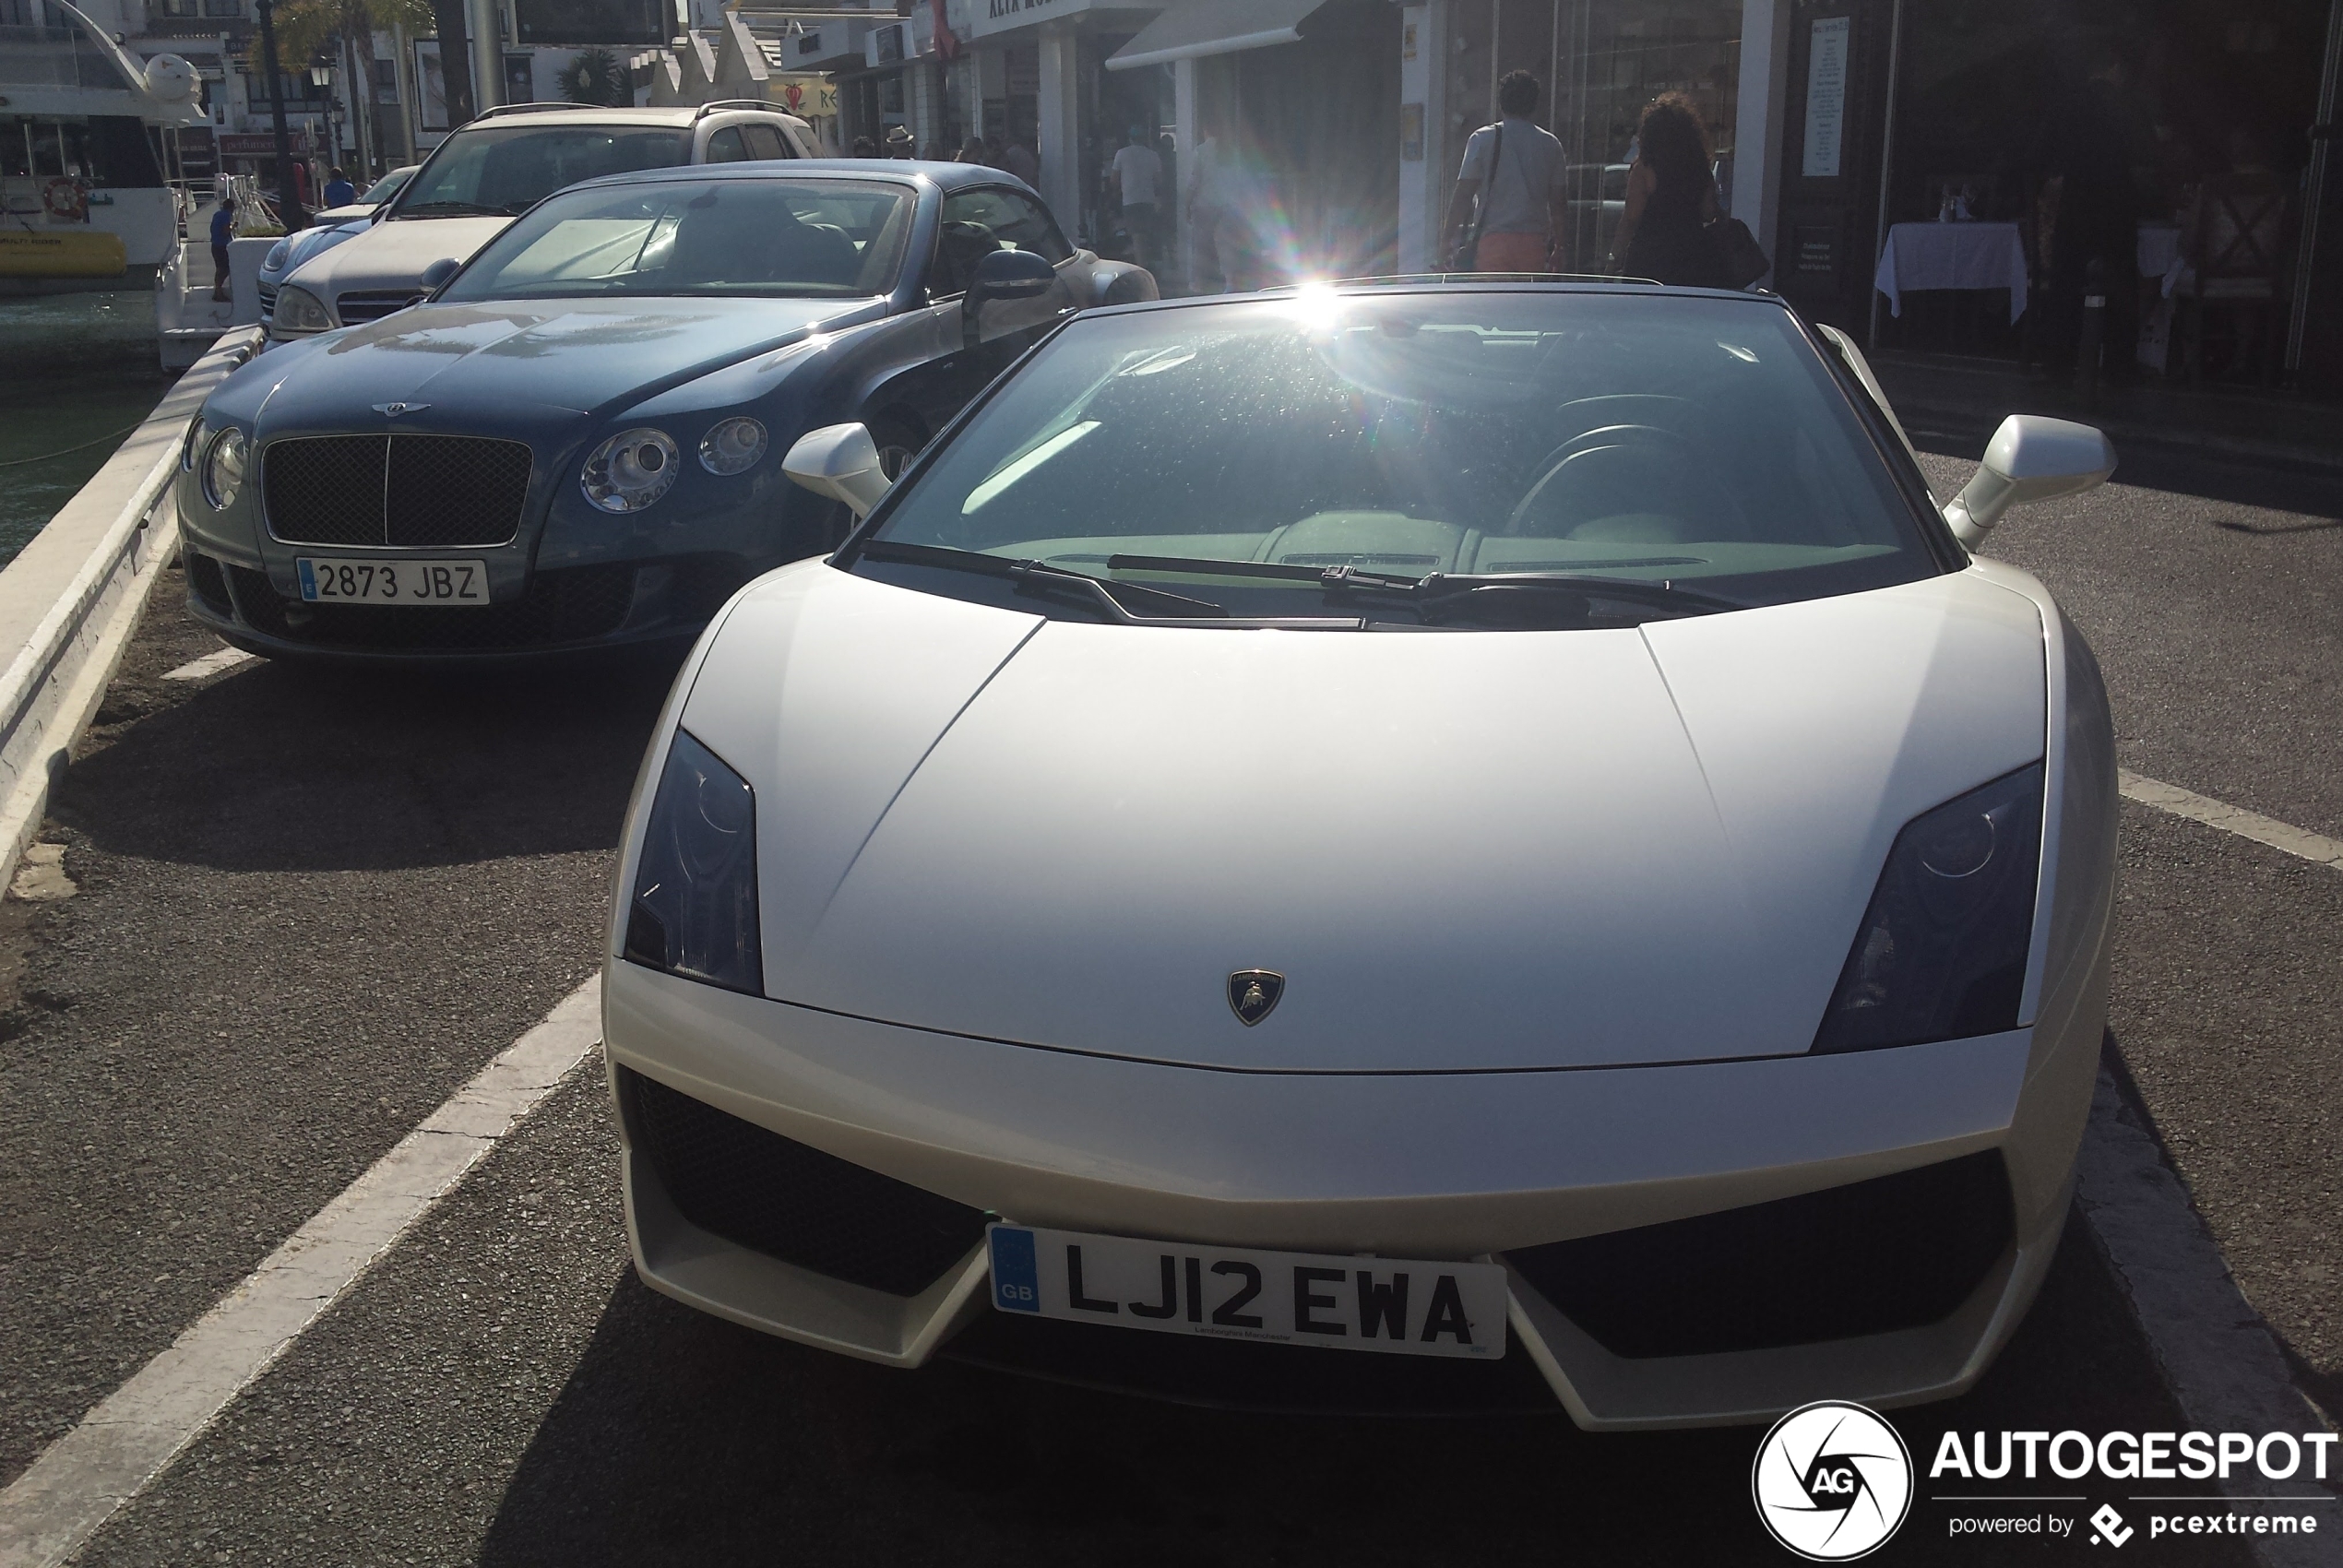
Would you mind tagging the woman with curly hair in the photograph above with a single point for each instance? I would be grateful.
(1670, 200)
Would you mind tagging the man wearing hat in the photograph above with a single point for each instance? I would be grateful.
(899, 141)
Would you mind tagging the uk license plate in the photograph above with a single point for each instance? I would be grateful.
(1350, 1303)
(326, 580)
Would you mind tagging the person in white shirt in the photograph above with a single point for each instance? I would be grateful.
(1138, 173)
(1522, 204)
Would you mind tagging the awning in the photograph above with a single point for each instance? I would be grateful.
(1191, 29)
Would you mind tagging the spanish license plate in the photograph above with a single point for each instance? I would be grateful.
(329, 580)
(1350, 1303)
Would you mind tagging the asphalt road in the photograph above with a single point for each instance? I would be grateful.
(310, 906)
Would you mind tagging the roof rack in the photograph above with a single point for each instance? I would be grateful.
(493, 110)
(707, 109)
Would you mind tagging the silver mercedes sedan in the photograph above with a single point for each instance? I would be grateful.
(1422, 844)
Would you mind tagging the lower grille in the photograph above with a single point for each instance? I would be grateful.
(763, 1191)
(1897, 1251)
(267, 299)
(411, 491)
(373, 305)
(574, 604)
(208, 585)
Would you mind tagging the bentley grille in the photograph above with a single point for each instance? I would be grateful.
(412, 491)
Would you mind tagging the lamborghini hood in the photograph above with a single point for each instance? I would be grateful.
(1487, 851)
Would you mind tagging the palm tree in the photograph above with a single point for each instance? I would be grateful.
(306, 28)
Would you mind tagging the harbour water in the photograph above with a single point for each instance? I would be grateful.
(77, 374)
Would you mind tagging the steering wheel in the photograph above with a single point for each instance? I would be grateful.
(1674, 448)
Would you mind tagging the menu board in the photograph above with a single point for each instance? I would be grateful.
(1826, 96)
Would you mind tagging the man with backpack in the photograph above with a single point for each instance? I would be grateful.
(1512, 194)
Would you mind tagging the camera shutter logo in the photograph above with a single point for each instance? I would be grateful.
(1832, 1482)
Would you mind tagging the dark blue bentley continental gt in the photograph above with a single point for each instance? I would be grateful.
(576, 442)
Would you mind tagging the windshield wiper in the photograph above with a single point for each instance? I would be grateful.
(1205, 566)
(1040, 577)
(1441, 592)
(453, 209)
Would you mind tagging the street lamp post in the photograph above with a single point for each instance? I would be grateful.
(288, 209)
(321, 76)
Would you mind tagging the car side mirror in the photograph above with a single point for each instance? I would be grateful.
(2031, 457)
(439, 271)
(1002, 275)
(841, 461)
(1008, 274)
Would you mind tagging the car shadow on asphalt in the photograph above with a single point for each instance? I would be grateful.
(283, 767)
(680, 1438)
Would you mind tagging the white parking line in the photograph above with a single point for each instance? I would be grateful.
(210, 664)
(2314, 847)
(47, 1512)
(2218, 1359)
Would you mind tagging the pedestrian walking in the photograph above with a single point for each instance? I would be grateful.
(1018, 159)
(899, 141)
(339, 191)
(223, 228)
(865, 148)
(1511, 197)
(972, 151)
(1671, 200)
(1138, 173)
(1206, 205)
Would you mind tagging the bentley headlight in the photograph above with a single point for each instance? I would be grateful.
(630, 470)
(694, 912)
(298, 310)
(223, 468)
(732, 445)
(1940, 953)
(197, 434)
(274, 260)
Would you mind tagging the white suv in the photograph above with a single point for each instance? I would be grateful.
(495, 168)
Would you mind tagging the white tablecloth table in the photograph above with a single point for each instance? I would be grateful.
(1952, 256)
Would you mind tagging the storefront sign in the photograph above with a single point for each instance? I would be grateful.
(235, 144)
(1826, 96)
(1000, 16)
(804, 95)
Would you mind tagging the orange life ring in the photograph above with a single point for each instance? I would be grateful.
(63, 197)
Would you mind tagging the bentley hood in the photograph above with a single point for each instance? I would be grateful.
(471, 364)
(1502, 850)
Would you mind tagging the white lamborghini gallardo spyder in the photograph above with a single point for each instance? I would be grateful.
(1384, 845)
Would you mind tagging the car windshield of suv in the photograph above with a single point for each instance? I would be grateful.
(382, 190)
(818, 238)
(509, 168)
(1540, 457)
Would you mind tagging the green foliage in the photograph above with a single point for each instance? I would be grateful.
(596, 76)
(306, 26)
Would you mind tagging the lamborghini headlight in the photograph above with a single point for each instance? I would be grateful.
(1940, 953)
(694, 912)
(298, 310)
(223, 468)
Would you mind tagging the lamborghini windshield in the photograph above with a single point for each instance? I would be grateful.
(814, 237)
(1369, 453)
